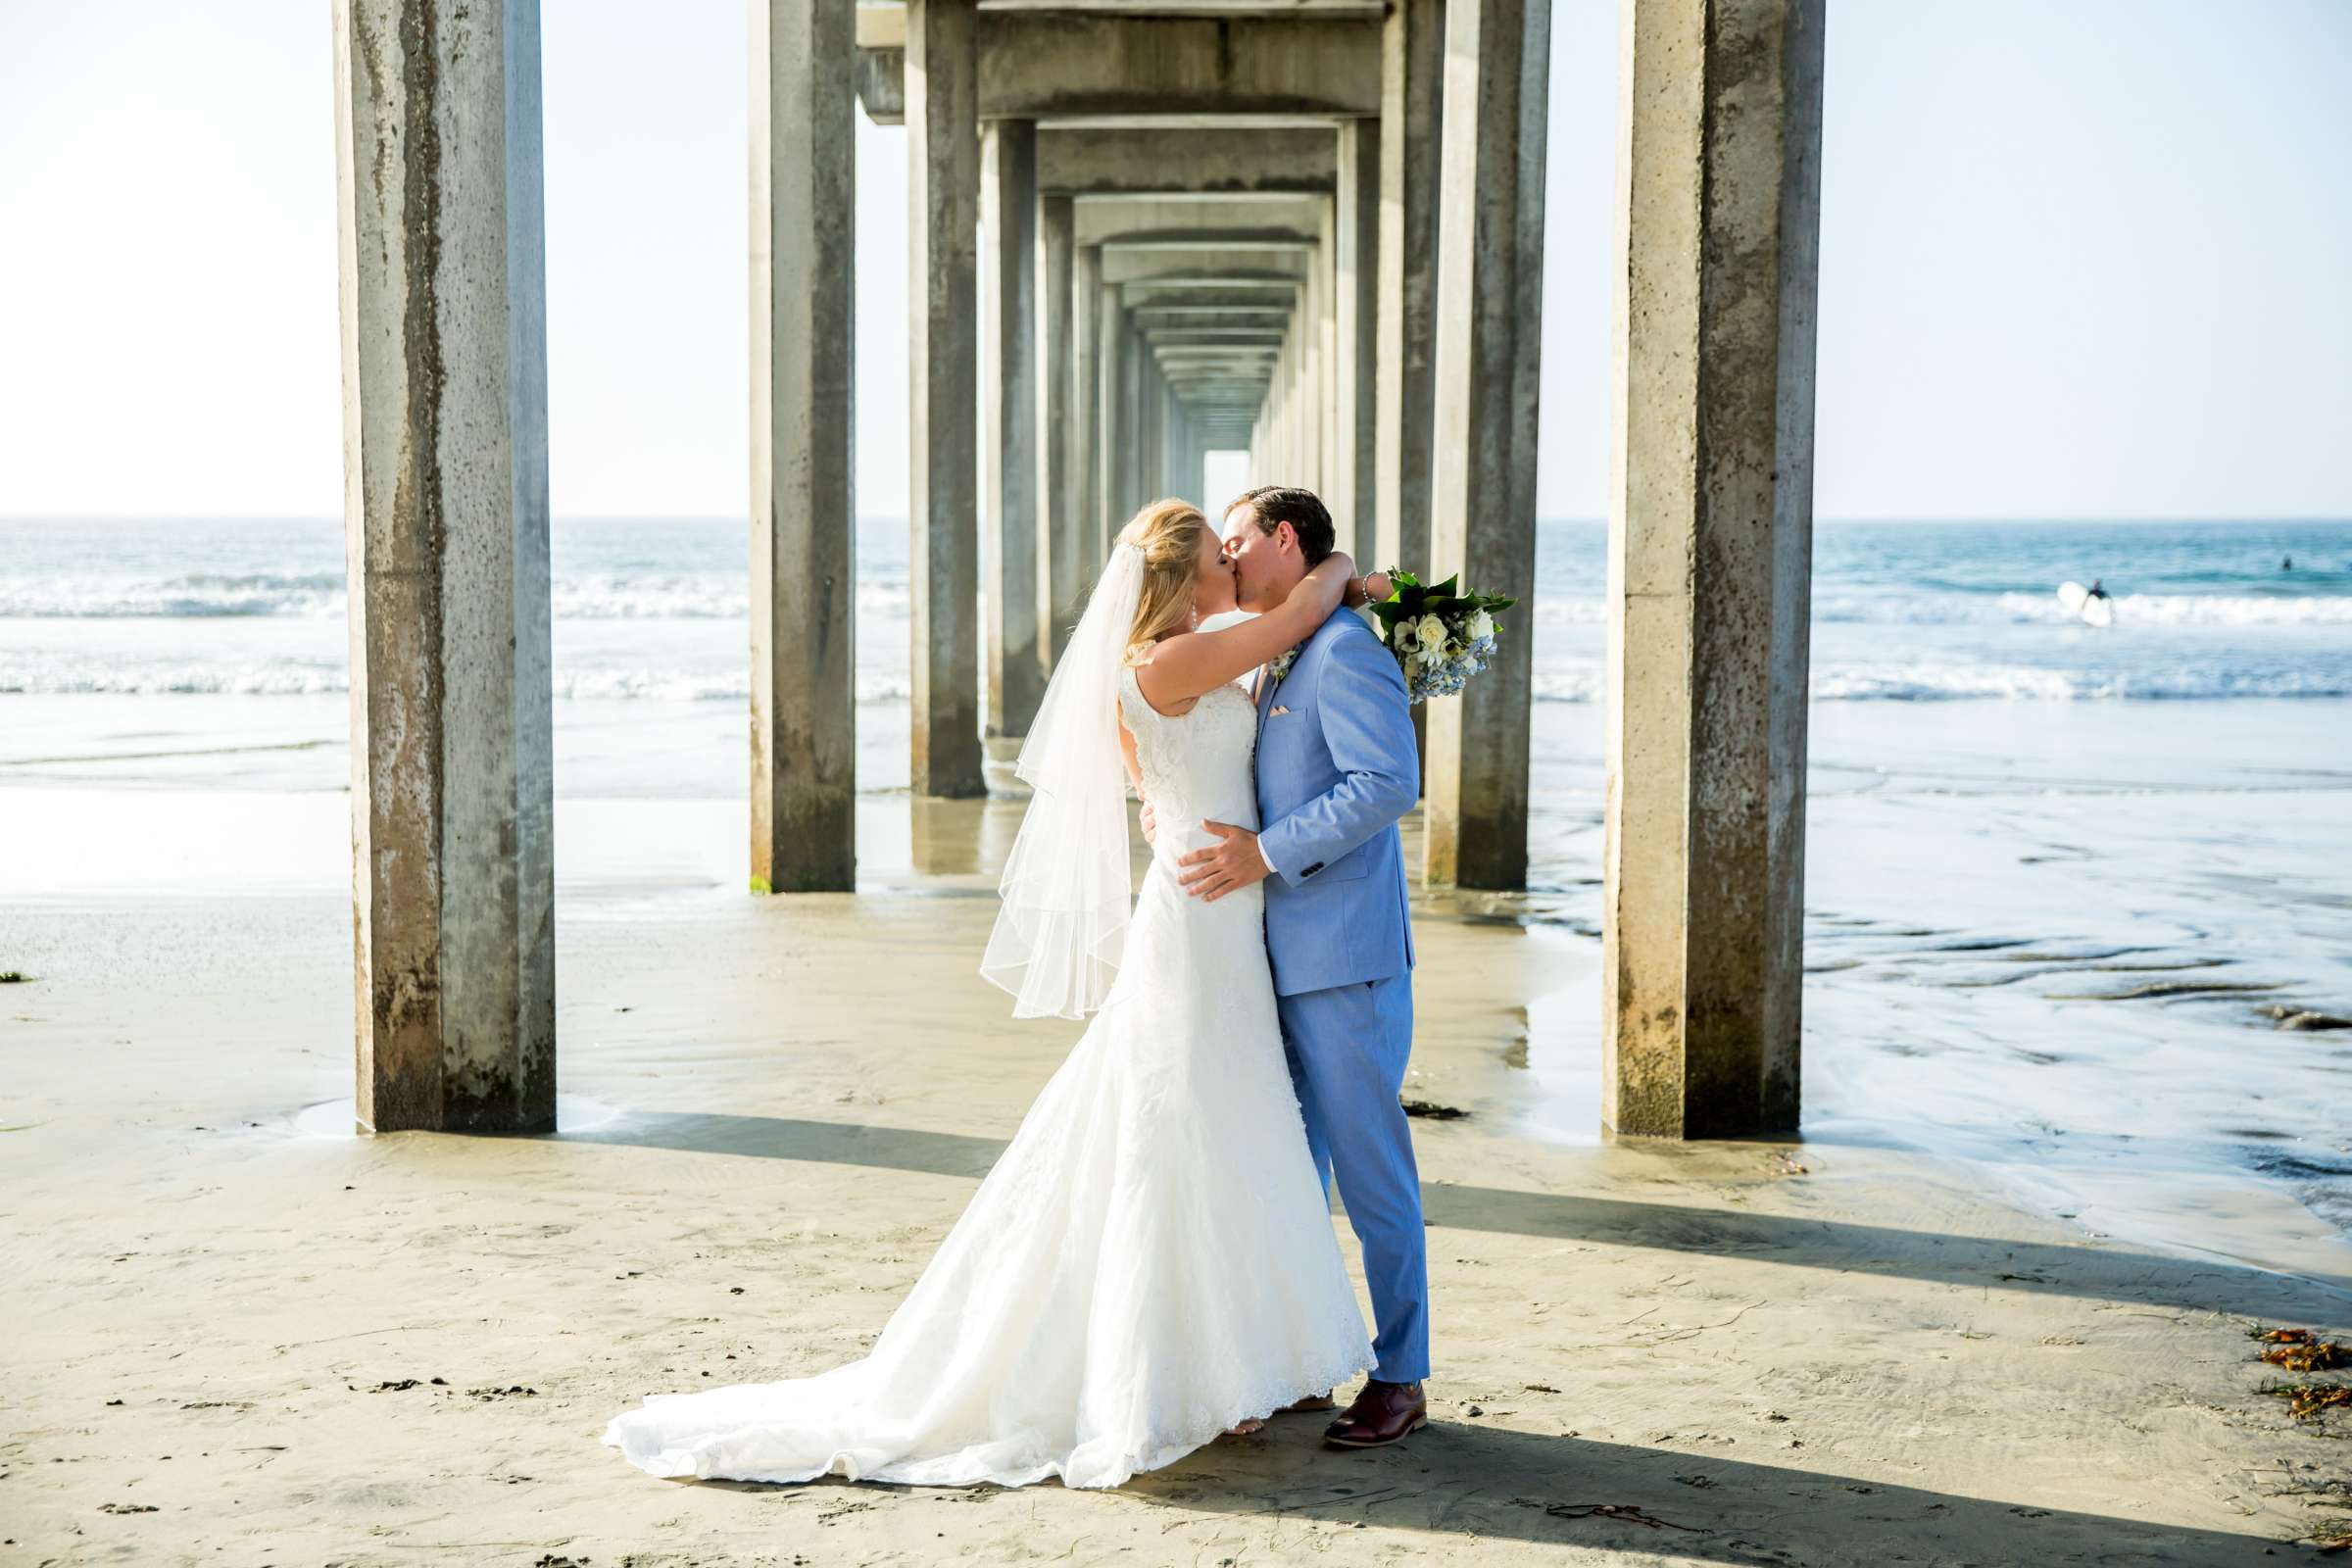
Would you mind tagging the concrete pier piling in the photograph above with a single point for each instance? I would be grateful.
(1483, 482)
(443, 307)
(1356, 385)
(1412, 103)
(1009, 494)
(1110, 391)
(943, 149)
(1066, 349)
(804, 539)
(1711, 543)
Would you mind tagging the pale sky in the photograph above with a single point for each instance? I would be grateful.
(2089, 259)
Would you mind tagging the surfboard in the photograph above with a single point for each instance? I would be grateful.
(2077, 598)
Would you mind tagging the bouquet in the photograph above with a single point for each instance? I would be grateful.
(1440, 636)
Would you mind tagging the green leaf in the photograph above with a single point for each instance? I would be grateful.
(1410, 599)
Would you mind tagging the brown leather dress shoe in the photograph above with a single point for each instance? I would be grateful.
(1381, 1414)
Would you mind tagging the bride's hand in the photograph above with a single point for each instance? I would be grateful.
(1150, 826)
(1369, 588)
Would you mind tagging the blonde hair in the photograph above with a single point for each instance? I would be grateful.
(1168, 533)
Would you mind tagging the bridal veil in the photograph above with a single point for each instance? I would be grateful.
(1067, 888)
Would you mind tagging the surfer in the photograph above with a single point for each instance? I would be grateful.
(2095, 603)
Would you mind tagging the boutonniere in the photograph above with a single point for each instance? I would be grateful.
(1281, 665)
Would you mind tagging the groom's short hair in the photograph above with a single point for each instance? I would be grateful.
(1274, 505)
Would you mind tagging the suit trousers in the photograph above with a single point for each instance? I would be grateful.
(1347, 1049)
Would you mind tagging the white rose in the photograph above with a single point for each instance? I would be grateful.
(1481, 624)
(1430, 632)
(1403, 636)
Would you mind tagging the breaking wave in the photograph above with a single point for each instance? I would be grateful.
(1924, 682)
(598, 596)
(1848, 607)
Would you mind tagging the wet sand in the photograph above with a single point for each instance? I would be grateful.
(402, 1349)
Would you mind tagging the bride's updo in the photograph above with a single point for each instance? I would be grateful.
(1168, 532)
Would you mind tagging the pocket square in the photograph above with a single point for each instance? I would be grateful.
(1278, 712)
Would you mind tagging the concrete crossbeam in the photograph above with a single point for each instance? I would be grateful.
(882, 23)
(1190, 241)
(1253, 216)
(1176, 316)
(1044, 64)
(1109, 160)
(1276, 300)
(1221, 364)
(1171, 267)
(1212, 334)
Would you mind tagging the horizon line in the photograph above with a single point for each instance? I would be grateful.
(2134, 519)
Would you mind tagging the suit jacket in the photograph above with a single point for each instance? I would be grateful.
(1336, 767)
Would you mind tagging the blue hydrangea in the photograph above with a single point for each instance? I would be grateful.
(1448, 672)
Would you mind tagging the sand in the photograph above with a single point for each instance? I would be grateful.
(241, 1335)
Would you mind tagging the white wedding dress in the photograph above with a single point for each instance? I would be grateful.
(1151, 1262)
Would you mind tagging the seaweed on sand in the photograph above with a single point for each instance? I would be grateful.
(2305, 1401)
(2301, 1351)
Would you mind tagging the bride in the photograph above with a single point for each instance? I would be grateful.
(1151, 1261)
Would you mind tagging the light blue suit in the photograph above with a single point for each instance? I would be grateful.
(1336, 767)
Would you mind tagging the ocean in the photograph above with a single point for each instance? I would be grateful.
(652, 610)
(651, 636)
(2078, 902)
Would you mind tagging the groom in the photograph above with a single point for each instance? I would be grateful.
(1337, 766)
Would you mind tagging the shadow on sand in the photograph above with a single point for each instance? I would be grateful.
(2097, 1272)
(1473, 1480)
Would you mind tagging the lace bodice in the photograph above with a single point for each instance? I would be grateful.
(1196, 766)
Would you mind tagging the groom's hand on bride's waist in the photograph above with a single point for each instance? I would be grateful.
(1235, 864)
